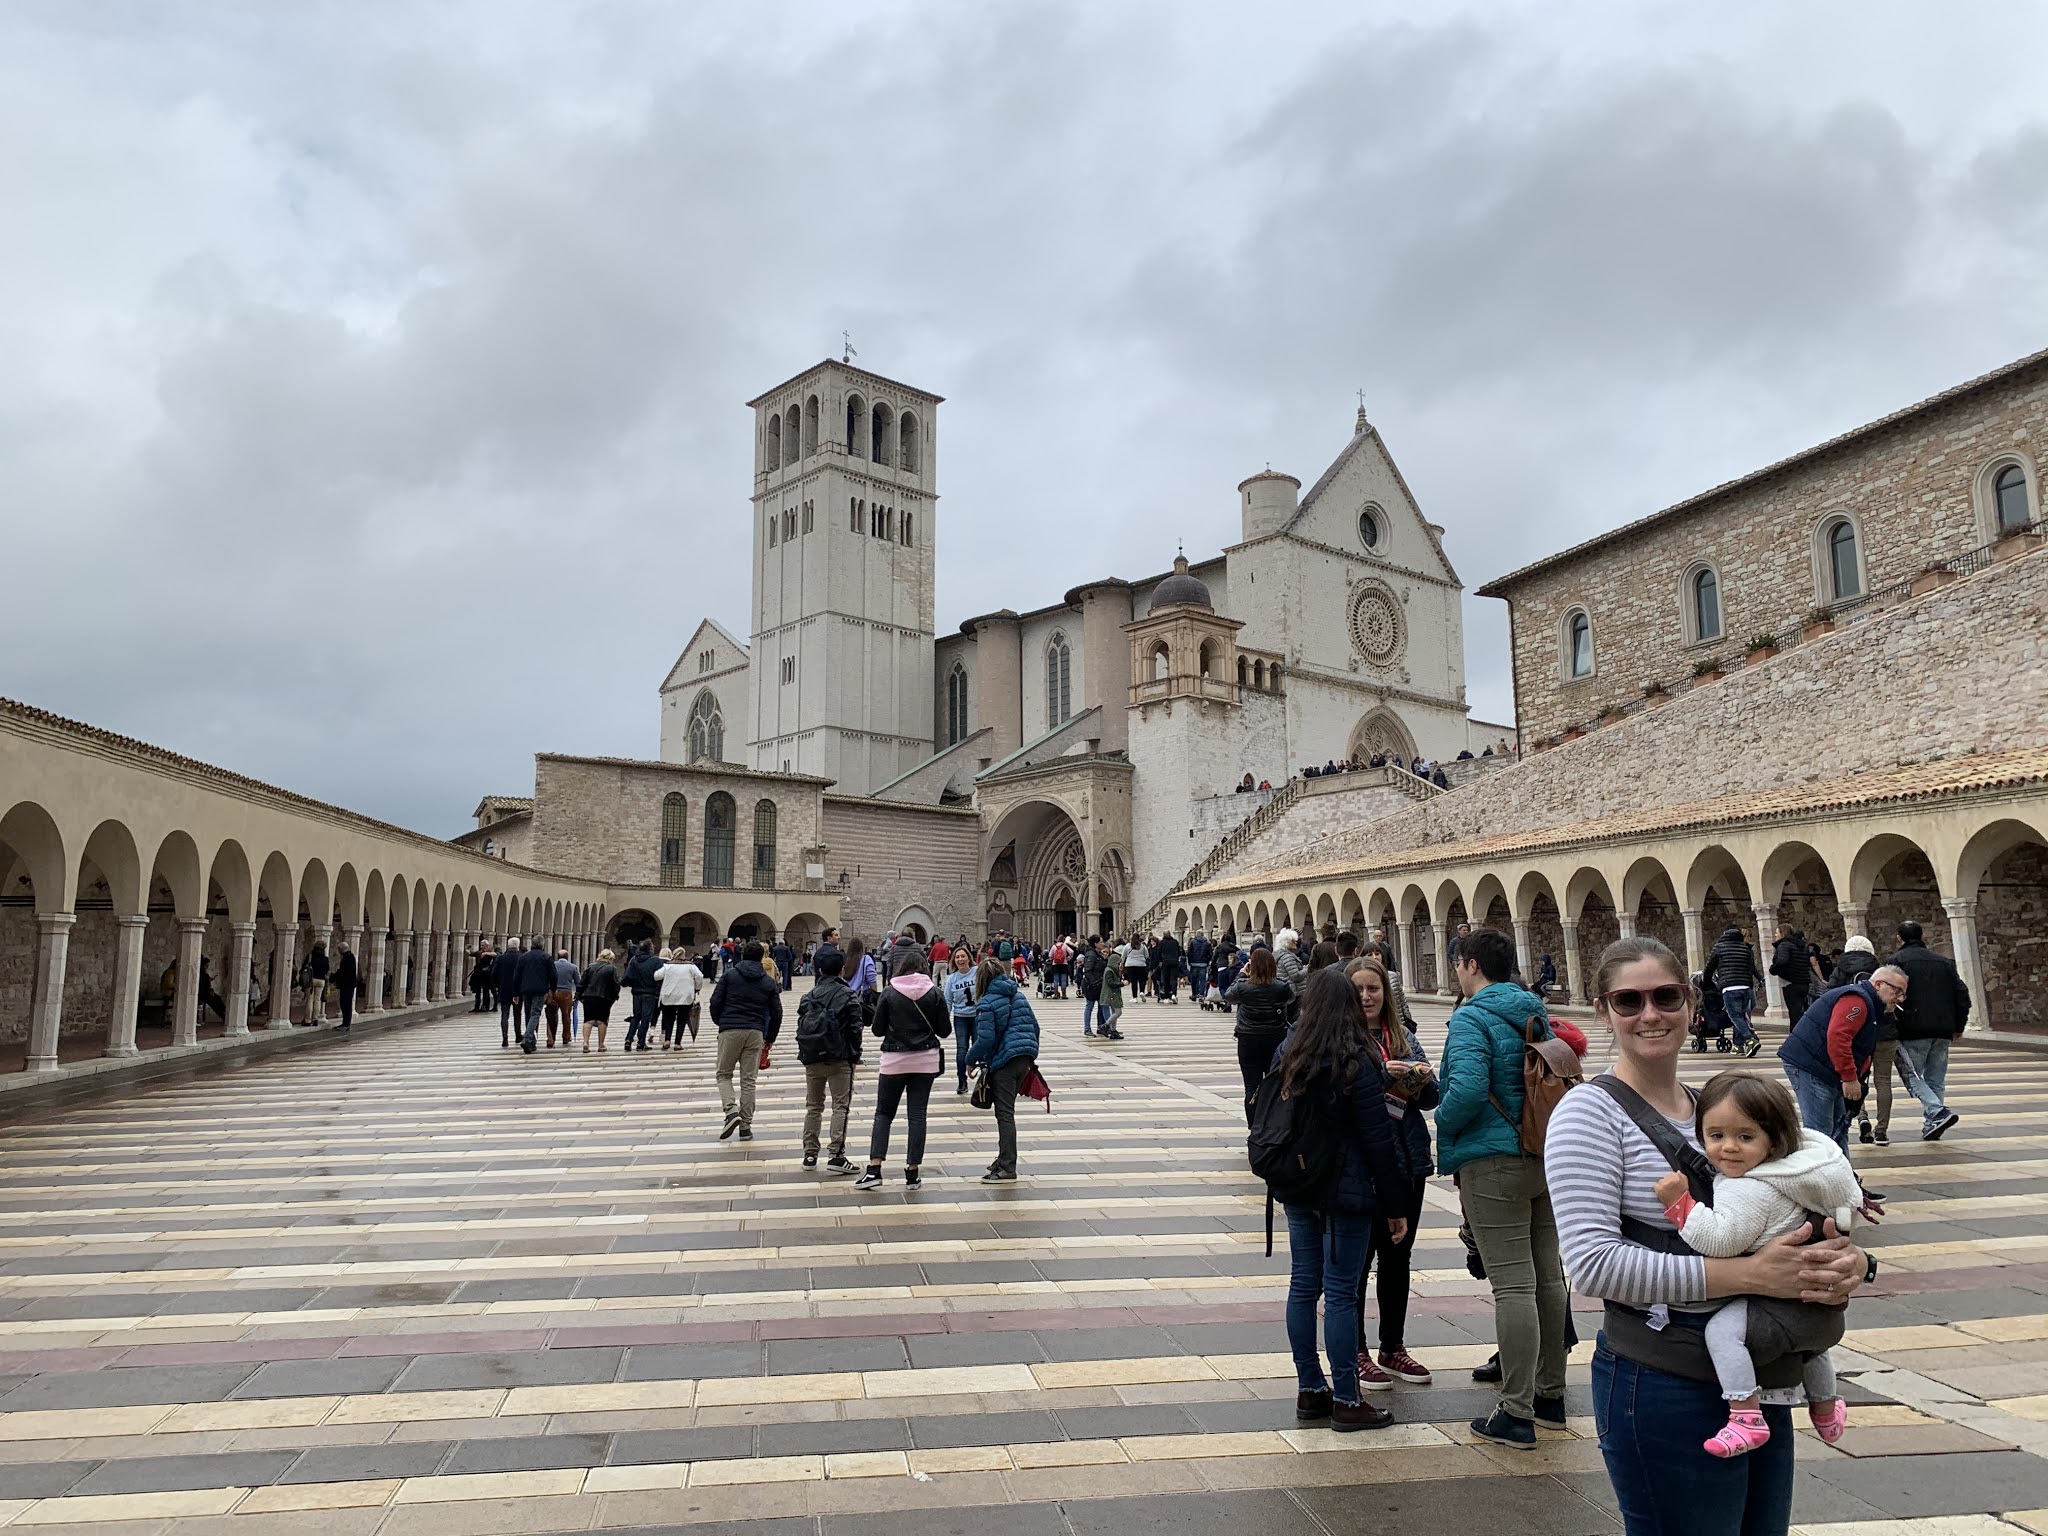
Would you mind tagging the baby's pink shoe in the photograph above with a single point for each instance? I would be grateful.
(1830, 1417)
(1743, 1433)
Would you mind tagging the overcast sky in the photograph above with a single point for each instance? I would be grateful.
(371, 376)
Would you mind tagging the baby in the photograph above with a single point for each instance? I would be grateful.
(1769, 1174)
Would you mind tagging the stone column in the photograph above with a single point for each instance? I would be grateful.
(281, 966)
(1575, 975)
(1523, 958)
(1404, 946)
(401, 951)
(185, 1006)
(1695, 919)
(316, 1009)
(1962, 932)
(128, 936)
(1625, 925)
(373, 999)
(46, 1009)
(1774, 989)
(239, 951)
(1855, 919)
(1440, 951)
(420, 965)
(437, 958)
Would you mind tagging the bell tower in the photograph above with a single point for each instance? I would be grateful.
(845, 518)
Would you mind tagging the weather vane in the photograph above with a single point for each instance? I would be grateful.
(848, 355)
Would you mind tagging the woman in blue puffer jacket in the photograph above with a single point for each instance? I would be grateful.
(1006, 1044)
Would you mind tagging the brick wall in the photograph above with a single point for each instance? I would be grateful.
(1913, 487)
(898, 856)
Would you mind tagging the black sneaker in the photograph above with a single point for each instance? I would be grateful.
(1311, 1407)
(810, 1159)
(732, 1123)
(999, 1176)
(1882, 1138)
(872, 1179)
(1946, 1122)
(840, 1165)
(912, 1179)
(1489, 1372)
(746, 1133)
(1503, 1428)
(1550, 1412)
(1865, 1133)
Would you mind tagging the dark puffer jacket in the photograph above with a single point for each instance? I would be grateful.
(536, 971)
(1731, 962)
(746, 997)
(1937, 1004)
(1264, 1008)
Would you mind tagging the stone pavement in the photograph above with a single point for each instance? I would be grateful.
(412, 1283)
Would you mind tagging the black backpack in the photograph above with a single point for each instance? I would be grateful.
(1295, 1144)
(817, 1035)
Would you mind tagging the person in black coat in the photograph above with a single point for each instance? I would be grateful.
(505, 982)
(643, 980)
(1265, 1009)
(1792, 964)
(1732, 970)
(1166, 958)
(785, 962)
(1200, 953)
(345, 983)
(1936, 1010)
(536, 974)
(746, 1008)
(483, 985)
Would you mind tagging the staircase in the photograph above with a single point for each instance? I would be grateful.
(1240, 837)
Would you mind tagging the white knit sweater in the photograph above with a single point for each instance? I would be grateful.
(1773, 1198)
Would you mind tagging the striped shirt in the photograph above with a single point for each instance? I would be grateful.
(1600, 1168)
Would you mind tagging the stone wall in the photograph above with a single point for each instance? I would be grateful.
(2012, 924)
(1917, 490)
(898, 856)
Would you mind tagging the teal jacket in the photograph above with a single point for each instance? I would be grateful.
(1482, 1055)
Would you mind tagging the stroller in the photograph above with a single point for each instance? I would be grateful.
(1709, 1020)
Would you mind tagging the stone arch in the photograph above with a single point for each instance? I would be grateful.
(1490, 906)
(1650, 897)
(856, 427)
(176, 864)
(908, 442)
(882, 437)
(1326, 913)
(348, 897)
(31, 832)
(1380, 731)
(2002, 881)
(1351, 910)
(1260, 919)
(915, 921)
(750, 926)
(231, 876)
(113, 852)
(694, 930)
(1798, 881)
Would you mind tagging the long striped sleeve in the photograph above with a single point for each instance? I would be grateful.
(1600, 1168)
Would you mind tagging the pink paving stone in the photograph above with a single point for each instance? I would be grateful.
(628, 1335)
(1031, 1322)
(32, 1362)
(229, 1352)
(442, 1343)
(894, 1324)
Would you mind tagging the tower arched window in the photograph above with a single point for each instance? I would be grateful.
(2009, 498)
(810, 426)
(856, 427)
(956, 705)
(719, 813)
(1578, 644)
(1259, 676)
(675, 821)
(1244, 672)
(882, 446)
(764, 845)
(1208, 662)
(1162, 664)
(1058, 681)
(906, 441)
(792, 435)
(1703, 605)
(1844, 568)
(775, 442)
(707, 729)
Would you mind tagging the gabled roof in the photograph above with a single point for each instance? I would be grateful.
(1501, 585)
(1366, 435)
(725, 636)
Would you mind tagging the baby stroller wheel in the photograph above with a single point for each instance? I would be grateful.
(1723, 1044)
(1699, 1042)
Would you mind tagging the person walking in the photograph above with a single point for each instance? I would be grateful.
(828, 1045)
(561, 1006)
(1829, 1051)
(1200, 952)
(345, 983)
(1792, 964)
(861, 973)
(1732, 971)
(483, 993)
(1095, 962)
(958, 990)
(536, 981)
(599, 990)
(1109, 1005)
(1166, 959)
(505, 982)
(785, 960)
(1506, 1198)
(1935, 1010)
(912, 1022)
(1287, 961)
(1858, 962)
(746, 1009)
(1137, 966)
(1655, 1397)
(314, 975)
(1006, 1047)
(1265, 1009)
(1411, 1093)
(1328, 1064)
(680, 982)
(643, 981)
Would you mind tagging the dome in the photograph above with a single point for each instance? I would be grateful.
(1179, 588)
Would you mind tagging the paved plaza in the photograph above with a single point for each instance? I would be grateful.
(414, 1283)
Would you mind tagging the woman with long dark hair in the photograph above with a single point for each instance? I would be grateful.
(1328, 1061)
(1265, 1007)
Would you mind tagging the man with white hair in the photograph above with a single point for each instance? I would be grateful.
(1829, 1052)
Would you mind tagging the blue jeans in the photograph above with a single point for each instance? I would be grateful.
(1199, 982)
(533, 1002)
(1735, 1002)
(1326, 1255)
(963, 1042)
(1088, 1007)
(1924, 1065)
(1652, 1433)
(1821, 1105)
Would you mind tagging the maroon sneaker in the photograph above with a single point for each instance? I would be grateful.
(1371, 1377)
(1402, 1366)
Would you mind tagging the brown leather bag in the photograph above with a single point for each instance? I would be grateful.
(1550, 1070)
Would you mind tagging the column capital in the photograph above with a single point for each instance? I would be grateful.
(1571, 926)
(55, 922)
(248, 927)
(191, 925)
(131, 919)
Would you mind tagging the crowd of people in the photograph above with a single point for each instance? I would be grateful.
(1358, 762)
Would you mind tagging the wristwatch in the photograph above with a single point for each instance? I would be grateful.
(1869, 1268)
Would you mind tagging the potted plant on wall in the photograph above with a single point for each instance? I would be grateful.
(1708, 671)
(1613, 714)
(1655, 694)
(1761, 648)
(1818, 622)
(1932, 577)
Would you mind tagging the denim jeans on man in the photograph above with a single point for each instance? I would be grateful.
(508, 1017)
(1652, 1430)
(1735, 1002)
(1821, 1105)
(1326, 1255)
(533, 1003)
(1926, 1073)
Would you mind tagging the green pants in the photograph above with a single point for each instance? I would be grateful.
(1507, 1205)
(741, 1048)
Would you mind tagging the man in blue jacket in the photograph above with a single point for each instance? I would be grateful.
(1506, 1199)
(505, 979)
(536, 981)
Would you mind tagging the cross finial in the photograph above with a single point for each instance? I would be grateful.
(848, 354)
(1361, 411)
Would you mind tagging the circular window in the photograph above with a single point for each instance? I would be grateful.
(1377, 628)
(1369, 528)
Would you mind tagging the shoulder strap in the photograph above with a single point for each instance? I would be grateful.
(1681, 1154)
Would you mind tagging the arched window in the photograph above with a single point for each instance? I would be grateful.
(1273, 677)
(2009, 498)
(856, 427)
(1259, 676)
(675, 820)
(906, 441)
(1162, 663)
(775, 442)
(1844, 573)
(1703, 604)
(707, 729)
(956, 705)
(1578, 644)
(718, 834)
(1058, 680)
(1208, 663)
(1244, 672)
(764, 845)
(810, 426)
(882, 453)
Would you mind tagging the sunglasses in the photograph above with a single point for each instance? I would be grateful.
(1627, 1002)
